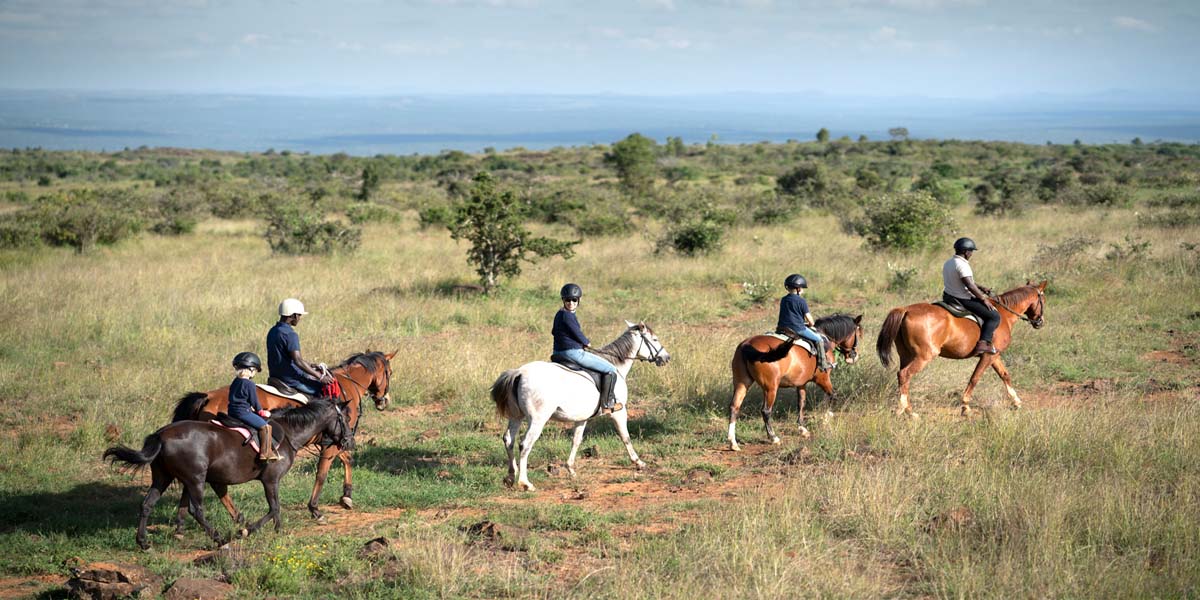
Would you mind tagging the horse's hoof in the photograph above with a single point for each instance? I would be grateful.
(143, 545)
(827, 417)
(1015, 406)
(775, 440)
(915, 417)
(804, 433)
(243, 533)
(965, 412)
(347, 503)
(571, 472)
(640, 464)
(526, 486)
(734, 447)
(509, 481)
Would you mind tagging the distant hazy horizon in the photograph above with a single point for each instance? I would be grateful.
(430, 123)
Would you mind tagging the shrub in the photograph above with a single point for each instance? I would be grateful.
(293, 230)
(988, 201)
(438, 215)
(901, 278)
(1104, 194)
(943, 191)
(905, 221)
(19, 232)
(373, 213)
(805, 179)
(601, 220)
(701, 236)
(175, 213)
(83, 219)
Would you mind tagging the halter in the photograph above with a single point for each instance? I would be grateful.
(1040, 311)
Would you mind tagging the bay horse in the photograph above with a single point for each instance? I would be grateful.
(540, 391)
(923, 331)
(773, 363)
(366, 374)
(195, 452)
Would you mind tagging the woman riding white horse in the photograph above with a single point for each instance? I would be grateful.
(540, 391)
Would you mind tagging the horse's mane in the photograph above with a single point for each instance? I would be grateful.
(618, 349)
(296, 417)
(1017, 295)
(367, 360)
(837, 326)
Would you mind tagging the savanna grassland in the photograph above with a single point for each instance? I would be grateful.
(129, 279)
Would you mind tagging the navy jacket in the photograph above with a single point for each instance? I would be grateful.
(567, 333)
(792, 309)
(243, 398)
(282, 340)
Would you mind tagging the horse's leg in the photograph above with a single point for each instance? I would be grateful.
(180, 514)
(907, 371)
(576, 440)
(161, 480)
(222, 492)
(323, 464)
(735, 405)
(194, 487)
(800, 398)
(271, 491)
(510, 440)
(769, 392)
(621, 418)
(348, 481)
(1002, 371)
(532, 433)
(984, 361)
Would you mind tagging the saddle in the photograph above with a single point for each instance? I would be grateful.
(571, 365)
(249, 436)
(276, 387)
(797, 341)
(957, 310)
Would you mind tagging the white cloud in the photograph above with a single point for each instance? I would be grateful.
(425, 48)
(1133, 23)
(254, 39)
(663, 37)
(663, 4)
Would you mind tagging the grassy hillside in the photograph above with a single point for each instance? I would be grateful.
(1089, 491)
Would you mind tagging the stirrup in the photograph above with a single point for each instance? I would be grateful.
(612, 409)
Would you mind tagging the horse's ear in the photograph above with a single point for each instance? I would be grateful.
(392, 355)
(858, 320)
(630, 325)
(1042, 285)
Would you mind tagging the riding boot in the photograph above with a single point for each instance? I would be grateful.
(983, 347)
(823, 356)
(608, 399)
(266, 448)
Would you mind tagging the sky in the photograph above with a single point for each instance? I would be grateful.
(875, 48)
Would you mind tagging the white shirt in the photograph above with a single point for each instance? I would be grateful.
(952, 275)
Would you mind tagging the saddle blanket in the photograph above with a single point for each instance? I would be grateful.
(270, 389)
(249, 438)
(803, 343)
(958, 312)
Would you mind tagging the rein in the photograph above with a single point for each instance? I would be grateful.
(1041, 304)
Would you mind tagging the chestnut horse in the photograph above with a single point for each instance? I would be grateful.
(922, 331)
(772, 364)
(195, 452)
(367, 374)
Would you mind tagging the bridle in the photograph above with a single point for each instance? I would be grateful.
(853, 354)
(655, 353)
(1041, 310)
(365, 390)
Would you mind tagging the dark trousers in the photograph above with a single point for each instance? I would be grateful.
(975, 306)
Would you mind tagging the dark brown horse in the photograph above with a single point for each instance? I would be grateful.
(773, 363)
(367, 374)
(195, 452)
(923, 331)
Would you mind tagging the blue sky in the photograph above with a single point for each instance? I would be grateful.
(879, 48)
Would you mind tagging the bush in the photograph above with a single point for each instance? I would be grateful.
(1104, 194)
(806, 179)
(18, 232)
(373, 213)
(83, 219)
(693, 238)
(293, 230)
(901, 278)
(600, 220)
(905, 221)
(175, 213)
(438, 215)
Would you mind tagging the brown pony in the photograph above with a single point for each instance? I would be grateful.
(772, 364)
(922, 331)
(366, 374)
(194, 452)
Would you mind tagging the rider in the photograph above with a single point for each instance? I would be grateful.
(244, 406)
(960, 286)
(794, 317)
(283, 352)
(569, 342)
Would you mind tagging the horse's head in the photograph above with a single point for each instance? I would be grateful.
(844, 332)
(1036, 310)
(649, 348)
(369, 374)
(382, 381)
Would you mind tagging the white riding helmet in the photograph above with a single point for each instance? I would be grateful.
(290, 307)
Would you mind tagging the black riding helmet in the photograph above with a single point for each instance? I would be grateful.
(795, 281)
(964, 244)
(246, 360)
(571, 292)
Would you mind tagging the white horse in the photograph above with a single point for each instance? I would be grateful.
(540, 391)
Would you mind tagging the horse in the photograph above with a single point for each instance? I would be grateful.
(922, 331)
(195, 452)
(368, 373)
(540, 391)
(772, 364)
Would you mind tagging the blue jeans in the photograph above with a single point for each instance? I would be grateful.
(588, 360)
(308, 386)
(249, 418)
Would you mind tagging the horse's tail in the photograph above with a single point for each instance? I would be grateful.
(888, 333)
(504, 394)
(189, 406)
(151, 446)
(751, 354)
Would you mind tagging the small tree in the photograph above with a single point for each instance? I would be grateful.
(904, 221)
(491, 220)
(898, 133)
(634, 160)
(823, 135)
(370, 183)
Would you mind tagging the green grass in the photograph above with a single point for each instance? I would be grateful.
(1092, 492)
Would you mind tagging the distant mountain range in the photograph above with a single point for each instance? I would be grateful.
(430, 123)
